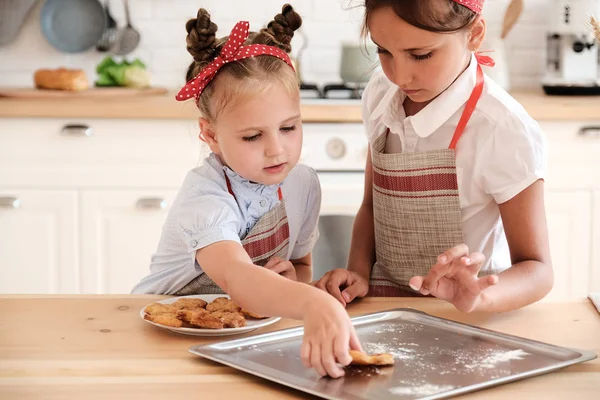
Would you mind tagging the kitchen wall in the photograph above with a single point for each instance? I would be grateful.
(161, 23)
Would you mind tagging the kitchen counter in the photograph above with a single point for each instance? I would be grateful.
(94, 347)
(540, 106)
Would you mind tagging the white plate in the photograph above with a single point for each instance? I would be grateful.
(252, 324)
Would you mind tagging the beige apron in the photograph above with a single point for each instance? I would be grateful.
(269, 237)
(416, 209)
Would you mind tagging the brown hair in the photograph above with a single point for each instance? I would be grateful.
(248, 76)
(442, 16)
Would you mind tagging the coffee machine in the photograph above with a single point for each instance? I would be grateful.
(573, 54)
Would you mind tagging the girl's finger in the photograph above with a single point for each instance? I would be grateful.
(322, 283)
(487, 281)
(474, 262)
(446, 266)
(356, 289)
(334, 283)
(305, 353)
(453, 253)
(272, 262)
(328, 360)
(437, 272)
(354, 342)
(282, 267)
(467, 281)
(340, 349)
(315, 359)
(416, 282)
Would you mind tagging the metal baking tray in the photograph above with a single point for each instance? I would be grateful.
(435, 358)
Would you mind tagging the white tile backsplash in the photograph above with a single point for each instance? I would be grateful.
(326, 34)
(138, 9)
(326, 23)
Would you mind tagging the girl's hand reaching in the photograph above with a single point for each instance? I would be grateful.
(328, 331)
(454, 278)
(328, 336)
(344, 285)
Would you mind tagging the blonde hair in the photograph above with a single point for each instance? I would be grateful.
(244, 78)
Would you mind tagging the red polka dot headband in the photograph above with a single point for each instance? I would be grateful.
(474, 5)
(232, 51)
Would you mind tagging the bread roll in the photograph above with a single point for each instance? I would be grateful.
(61, 79)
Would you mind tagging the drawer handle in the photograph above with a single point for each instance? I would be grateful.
(151, 203)
(9, 202)
(77, 130)
(590, 131)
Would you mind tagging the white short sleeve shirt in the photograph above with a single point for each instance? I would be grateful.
(204, 212)
(501, 152)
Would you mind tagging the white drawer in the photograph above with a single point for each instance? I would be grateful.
(573, 154)
(105, 152)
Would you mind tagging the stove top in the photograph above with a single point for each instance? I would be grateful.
(331, 91)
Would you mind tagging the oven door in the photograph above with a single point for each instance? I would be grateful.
(342, 194)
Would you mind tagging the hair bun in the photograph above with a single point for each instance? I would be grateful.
(201, 40)
(281, 29)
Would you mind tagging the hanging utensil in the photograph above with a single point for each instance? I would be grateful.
(595, 25)
(109, 36)
(12, 17)
(129, 38)
(511, 16)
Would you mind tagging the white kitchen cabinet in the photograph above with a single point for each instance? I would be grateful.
(38, 241)
(104, 244)
(573, 148)
(569, 226)
(120, 230)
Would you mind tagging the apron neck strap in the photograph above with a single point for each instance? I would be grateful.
(279, 192)
(469, 108)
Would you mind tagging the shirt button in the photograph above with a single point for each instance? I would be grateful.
(194, 243)
(263, 203)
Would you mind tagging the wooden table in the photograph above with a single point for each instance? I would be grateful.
(97, 347)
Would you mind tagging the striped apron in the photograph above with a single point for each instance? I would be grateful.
(268, 238)
(416, 209)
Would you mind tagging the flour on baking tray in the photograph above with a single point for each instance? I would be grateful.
(493, 358)
(399, 353)
(464, 362)
(426, 389)
(391, 328)
(456, 361)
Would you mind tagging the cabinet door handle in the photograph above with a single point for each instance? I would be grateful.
(590, 131)
(151, 203)
(77, 130)
(9, 202)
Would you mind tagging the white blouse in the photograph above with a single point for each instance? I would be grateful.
(501, 152)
